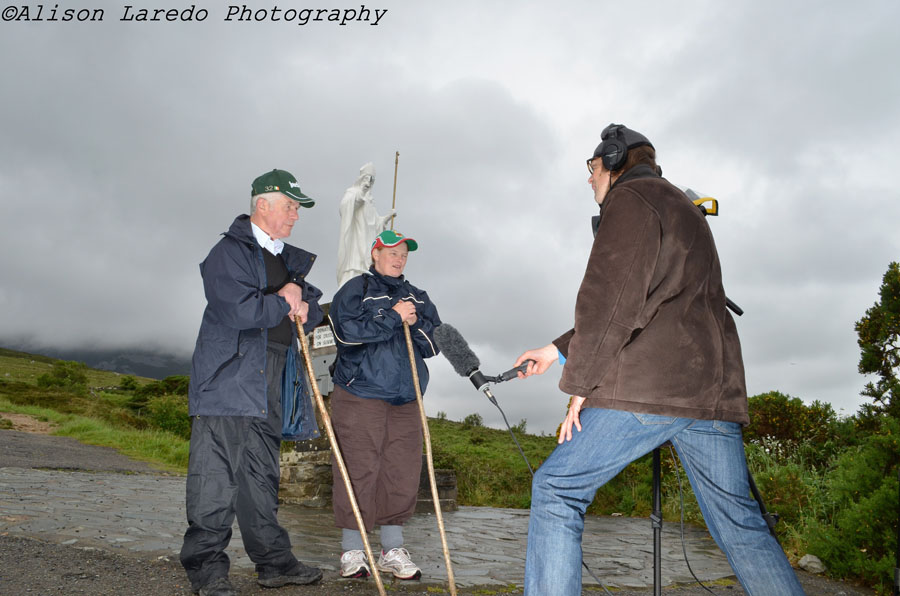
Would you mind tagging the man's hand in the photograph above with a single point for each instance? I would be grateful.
(407, 311)
(542, 357)
(572, 418)
(293, 294)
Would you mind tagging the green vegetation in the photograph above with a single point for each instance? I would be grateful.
(95, 407)
(832, 480)
(879, 344)
(69, 376)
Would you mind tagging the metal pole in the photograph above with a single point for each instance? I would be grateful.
(427, 436)
(336, 452)
(656, 523)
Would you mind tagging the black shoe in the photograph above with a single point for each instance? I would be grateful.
(218, 587)
(300, 574)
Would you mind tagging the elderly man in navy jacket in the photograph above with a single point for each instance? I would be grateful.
(255, 287)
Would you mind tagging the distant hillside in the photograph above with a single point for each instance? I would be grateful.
(141, 363)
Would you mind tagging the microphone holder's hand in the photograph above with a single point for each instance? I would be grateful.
(482, 381)
(514, 372)
(510, 374)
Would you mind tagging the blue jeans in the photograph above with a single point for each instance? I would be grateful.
(712, 453)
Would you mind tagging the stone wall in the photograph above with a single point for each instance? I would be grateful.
(306, 480)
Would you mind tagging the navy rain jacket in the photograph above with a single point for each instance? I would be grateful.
(228, 368)
(373, 360)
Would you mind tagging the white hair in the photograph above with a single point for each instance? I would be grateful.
(271, 197)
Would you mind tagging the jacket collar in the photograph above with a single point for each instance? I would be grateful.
(641, 171)
(298, 260)
(390, 281)
(240, 229)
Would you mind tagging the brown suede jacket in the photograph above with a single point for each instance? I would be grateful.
(652, 333)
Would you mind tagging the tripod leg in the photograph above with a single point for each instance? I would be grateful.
(656, 523)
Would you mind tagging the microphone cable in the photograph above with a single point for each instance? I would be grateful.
(493, 400)
(681, 503)
(687, 562)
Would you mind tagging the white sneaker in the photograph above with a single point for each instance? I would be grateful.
(354, 564)
(397, 561)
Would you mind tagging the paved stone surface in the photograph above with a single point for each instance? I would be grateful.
(145, 513)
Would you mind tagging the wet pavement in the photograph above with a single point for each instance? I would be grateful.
(145, 513)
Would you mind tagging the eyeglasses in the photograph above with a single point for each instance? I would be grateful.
(590, 165)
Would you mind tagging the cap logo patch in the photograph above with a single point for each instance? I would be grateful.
(294, 185)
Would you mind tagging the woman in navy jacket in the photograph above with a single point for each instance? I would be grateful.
(374, 410)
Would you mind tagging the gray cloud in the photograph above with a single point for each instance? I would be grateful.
(128, 148)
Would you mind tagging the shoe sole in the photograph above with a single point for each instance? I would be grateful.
(360, 573)
(300, 580)
(414, 576)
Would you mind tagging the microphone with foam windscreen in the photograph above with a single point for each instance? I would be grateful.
(466, 364)
(461, 357)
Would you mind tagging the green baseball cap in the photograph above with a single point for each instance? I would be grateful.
(391, 238)
(283, 182)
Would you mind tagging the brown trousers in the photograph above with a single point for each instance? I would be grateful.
(382, 449)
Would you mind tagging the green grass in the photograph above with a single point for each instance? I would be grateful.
(164, 451)
(20, 366)
(99, 417)
(489, 469)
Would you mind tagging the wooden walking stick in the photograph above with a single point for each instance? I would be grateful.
(427, 436)
(336, 452)
(394, 202)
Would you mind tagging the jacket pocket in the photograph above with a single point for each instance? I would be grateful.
(225, 373)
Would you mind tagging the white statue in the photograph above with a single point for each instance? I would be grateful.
(360, 224)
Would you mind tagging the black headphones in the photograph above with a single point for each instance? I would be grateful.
(613, 151)
(616, 140)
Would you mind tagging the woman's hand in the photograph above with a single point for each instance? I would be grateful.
(407, 311)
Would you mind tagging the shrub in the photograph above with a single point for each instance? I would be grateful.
(478, 435)
(175, 385)
(858, 536)
(472, 421)
(786, 418)
(67, 375)
(172, 385)
(129, 383)
(169, 413)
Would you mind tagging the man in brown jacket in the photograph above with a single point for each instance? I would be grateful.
(654, 356)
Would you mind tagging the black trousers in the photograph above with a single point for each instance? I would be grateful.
(233, 471)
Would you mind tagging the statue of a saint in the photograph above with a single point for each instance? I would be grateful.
(360, 224)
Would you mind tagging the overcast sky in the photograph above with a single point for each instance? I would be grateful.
(126, 148)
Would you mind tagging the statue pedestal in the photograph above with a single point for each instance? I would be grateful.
(445, 480)
(306, 479)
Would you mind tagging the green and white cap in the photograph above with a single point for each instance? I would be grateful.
(283, 182)
(390, 238)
